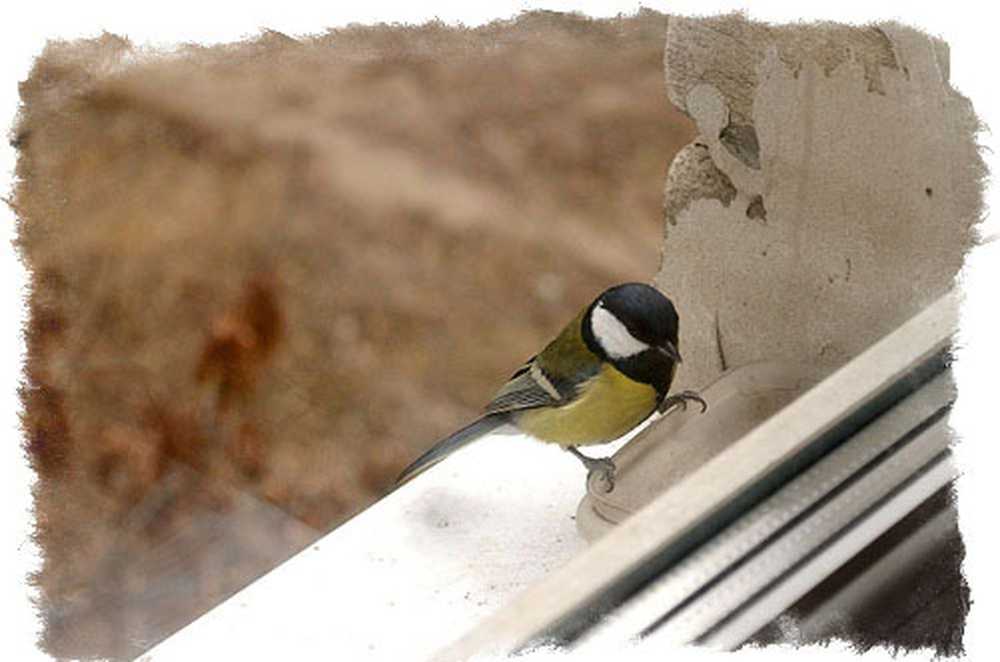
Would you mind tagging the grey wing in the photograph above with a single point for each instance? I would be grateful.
(527, 389)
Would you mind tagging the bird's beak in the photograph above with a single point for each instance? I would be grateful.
(670, 350)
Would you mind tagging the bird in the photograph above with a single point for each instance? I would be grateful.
(605, 373)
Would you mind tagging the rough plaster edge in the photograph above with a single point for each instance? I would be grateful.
(722, 87)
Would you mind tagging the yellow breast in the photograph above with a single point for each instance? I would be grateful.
(611, 405)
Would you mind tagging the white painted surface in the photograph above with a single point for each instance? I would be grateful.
(413, 572)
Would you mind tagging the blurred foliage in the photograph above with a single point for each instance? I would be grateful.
(267, 274)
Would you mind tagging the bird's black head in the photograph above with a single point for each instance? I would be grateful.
(635, 327)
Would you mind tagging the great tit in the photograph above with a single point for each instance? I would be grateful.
(607, 371)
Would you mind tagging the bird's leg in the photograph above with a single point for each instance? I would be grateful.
(603, 466)
(680, 400)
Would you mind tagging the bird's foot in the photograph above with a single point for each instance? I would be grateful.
(681, 400)
(602, 467)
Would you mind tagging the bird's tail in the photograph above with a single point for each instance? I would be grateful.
(450, 444)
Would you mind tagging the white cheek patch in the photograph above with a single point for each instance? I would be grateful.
(612, 335)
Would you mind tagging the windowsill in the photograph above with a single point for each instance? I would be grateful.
(443, 562)
(432, 559)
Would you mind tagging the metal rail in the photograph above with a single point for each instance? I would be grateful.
(788, 524)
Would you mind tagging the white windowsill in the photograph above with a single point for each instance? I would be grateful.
(405, 577)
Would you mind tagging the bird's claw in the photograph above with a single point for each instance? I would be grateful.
(680, 400)
(603, 467)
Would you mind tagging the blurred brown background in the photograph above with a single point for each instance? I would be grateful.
(266, 275)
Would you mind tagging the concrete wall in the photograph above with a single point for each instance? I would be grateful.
(831, 193)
